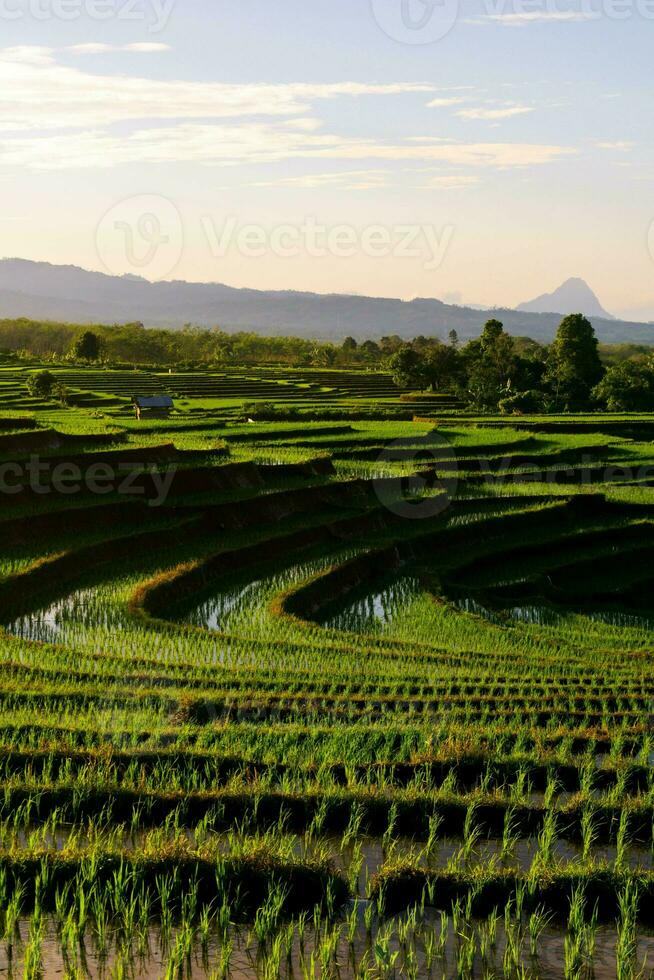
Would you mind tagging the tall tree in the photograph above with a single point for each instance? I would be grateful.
(408, 368)
(86, 347)
(573, 364)
(443, 367)
(491, 365)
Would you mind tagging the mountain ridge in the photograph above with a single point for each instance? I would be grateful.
(572, 296)
(41, 290)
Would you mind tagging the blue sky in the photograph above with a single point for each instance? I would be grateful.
(513, 134)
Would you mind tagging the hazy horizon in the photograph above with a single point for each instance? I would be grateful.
(479, 153)
(130, 275)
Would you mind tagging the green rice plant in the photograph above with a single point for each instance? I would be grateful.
(551, 791)
(353, 828)
(33, 960)
(226, 952)
(546, 840)
(513, 936)
(538, 921)
(622, 842)
(443, 934)
(354, 868)
(388, 837)
(626, 942)
(432, 844)
(465, 956)
(573, 962)
(268, 914)
(267, 721)
(510, 833)
(471, 833)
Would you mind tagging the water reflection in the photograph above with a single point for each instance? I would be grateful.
(213, 613)
(543, 614)
(376, 609)
(53, 624)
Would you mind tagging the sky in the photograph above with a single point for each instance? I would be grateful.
(479, 151)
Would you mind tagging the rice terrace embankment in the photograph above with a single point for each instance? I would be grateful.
(365, 692)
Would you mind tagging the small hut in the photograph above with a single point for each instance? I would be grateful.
(152, 406)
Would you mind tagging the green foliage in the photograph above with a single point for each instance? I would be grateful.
(60, 393)
(41, 384)
(627, 386)
(495, 368)
(408, 369)
(573, 364)
(426, 363)
(190, 347)
(268, 412)
(615, 353)
(522, 402)
(86, 347)
(444, 367)
(491, 366)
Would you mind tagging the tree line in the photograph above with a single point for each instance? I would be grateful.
(188, 348)
(494, 372)
(498, 372)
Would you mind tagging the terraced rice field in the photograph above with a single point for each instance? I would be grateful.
(283, 708)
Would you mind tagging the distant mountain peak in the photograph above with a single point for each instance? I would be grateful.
(42, 291)
(572, 296)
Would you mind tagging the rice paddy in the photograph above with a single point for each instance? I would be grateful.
(347, 695)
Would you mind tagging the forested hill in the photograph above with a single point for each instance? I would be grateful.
(42, 291)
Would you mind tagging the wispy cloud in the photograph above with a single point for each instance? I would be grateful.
(216, 144)
(442, 103)
(451, 182)
(621, 146)
(503, 112)
(146, 47)
(345, 180)
(54, 116)
(37, 92)
(94, 47)
(468, 107)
